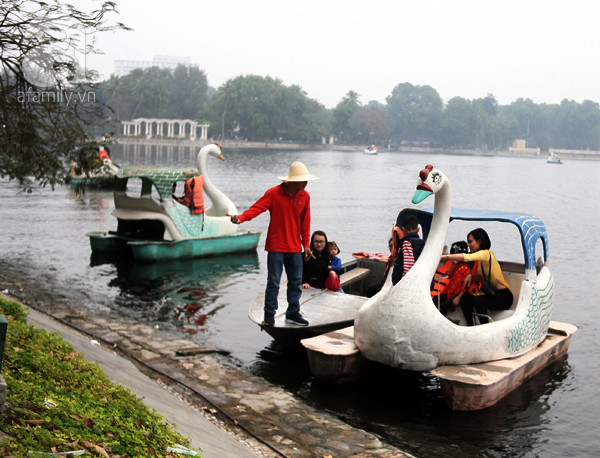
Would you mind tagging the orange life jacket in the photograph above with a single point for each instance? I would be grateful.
(397, 235)
(194, 194)
(441, 281)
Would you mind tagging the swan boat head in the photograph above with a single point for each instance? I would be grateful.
(401, 327)
(221, 204)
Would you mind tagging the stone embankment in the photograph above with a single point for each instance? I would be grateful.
(248, 404)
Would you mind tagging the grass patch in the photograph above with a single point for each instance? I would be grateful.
(60, 402)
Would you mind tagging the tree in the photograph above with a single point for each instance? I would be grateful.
(47, 101)
(260, 108)
(414, 112)
(351, 100)
(458, 122)
(188, 92)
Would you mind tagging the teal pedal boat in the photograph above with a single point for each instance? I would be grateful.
(156, 227)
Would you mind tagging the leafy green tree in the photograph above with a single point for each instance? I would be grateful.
(458, 122)
(578, 124)
(47, 102)
(351, 100)
(415, 112)
(342, 115)
(259, 108)
(370, 121)
(188, 93)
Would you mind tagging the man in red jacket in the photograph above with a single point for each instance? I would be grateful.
(287, 237)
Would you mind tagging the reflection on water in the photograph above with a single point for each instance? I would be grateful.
(178, 294)
(355, 202)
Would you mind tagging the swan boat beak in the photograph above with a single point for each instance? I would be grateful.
(222, 158)
(420, 196)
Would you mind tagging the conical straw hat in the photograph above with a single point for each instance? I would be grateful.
(299, 172)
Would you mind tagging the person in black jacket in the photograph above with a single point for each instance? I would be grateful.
(318, 267)
(411, 246)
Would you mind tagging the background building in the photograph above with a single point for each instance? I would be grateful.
(123, 67)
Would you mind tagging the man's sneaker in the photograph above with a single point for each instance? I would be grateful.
(269, 319)
(296, 318)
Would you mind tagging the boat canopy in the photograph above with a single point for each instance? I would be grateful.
(161, 178)
(530, 227)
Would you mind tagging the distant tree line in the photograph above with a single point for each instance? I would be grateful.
(263, 108)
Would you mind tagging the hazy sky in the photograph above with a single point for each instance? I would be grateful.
(545, 50)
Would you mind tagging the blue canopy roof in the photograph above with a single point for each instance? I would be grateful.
(530, 227)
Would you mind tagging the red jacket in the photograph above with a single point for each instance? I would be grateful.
(289, 228)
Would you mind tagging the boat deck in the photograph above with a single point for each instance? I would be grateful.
(477, 386)
(334, 358)
(325, 311)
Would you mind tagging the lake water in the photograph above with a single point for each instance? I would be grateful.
(355, 203)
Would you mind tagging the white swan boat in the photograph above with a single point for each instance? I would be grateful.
(401, 327)
(554, 159)
(370, 150)
(157, 228)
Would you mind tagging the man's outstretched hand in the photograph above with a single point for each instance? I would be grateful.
(234, 218)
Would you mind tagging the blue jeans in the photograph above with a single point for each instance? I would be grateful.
(292, 262)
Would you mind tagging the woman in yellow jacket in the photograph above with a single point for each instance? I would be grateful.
(479, 247)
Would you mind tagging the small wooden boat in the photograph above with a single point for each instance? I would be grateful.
(156, 227)
(402, 328)
(325, 310)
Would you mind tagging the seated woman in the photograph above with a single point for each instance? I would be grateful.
(487, 269)
(452, 289)
(318, 267)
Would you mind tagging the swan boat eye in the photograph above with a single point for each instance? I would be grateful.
(436, 177)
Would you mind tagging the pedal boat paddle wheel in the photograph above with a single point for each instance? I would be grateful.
(401, 326)
(160, 228)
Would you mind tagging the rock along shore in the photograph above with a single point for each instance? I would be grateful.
(249, 407)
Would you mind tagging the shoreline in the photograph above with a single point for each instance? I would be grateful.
(251, 408)
(240, 144)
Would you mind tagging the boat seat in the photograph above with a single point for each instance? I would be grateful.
(514, 280)
(354, 275)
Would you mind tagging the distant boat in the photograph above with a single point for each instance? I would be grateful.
(101, 176)
(553, 159)
(370, 150)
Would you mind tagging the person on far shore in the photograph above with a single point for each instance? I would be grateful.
(288, 235)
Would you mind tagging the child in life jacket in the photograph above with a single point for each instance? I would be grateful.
(453, 290)
(336, 263)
